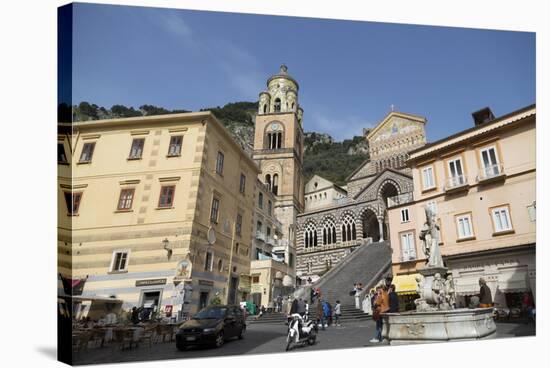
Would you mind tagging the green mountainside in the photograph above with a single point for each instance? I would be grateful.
(323, 156)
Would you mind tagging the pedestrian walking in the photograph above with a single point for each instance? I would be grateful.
(527, 306)
(394, 300)
(280, 303)
(320, 314)
(485, 298)
(337, 313)
(381, 305)
(326, 313)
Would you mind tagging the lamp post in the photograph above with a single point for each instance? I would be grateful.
(165, 245)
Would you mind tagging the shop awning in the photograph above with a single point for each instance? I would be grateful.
(405, 284)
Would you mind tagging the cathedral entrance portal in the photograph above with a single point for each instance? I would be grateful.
(371, 228)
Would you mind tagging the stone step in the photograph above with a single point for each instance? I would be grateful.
(367, 264)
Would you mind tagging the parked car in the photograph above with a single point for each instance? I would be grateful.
(212, 326)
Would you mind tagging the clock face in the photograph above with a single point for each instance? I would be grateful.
(274, 126)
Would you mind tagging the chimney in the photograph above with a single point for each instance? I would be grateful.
(482, 116)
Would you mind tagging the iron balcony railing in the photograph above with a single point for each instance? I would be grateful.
(490, 172)
(260, 236)
(408, 257)
(400, 199)
(454, 182)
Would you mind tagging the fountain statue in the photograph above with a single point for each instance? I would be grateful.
(436, 317)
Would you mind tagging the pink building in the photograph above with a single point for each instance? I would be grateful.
(481, 184)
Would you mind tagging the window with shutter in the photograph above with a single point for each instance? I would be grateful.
(87, 152)
(174, 149)
(136, 151)
(166, 198)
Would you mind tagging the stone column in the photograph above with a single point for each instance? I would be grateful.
(381, 228)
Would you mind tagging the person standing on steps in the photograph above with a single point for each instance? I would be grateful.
(357, 288)
(337, 313)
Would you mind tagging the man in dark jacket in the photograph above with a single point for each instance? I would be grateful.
(485, 298)
(394, 301)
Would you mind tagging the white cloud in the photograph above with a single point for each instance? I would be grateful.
(174, 24)
(240, 67)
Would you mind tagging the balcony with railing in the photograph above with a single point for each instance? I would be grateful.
(490, 173)
(260, 236)
(408, 257)
(456, 183)
(400, 199)
(269, 240)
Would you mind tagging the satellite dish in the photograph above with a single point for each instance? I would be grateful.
(211, 236)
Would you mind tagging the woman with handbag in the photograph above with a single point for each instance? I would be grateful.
(381, 305)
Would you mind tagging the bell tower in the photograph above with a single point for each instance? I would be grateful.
(278, 150)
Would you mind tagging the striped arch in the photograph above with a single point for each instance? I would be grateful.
(388, 181)
(367, 208)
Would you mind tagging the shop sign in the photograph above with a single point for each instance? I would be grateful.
(150, 282)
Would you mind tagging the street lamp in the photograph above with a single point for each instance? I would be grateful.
(165, 244)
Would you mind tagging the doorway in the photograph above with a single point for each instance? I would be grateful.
(150, 301)
(203, 299)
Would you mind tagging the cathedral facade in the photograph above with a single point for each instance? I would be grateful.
(338, 219)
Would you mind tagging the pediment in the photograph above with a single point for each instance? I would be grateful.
(321, 182)
(396, 124)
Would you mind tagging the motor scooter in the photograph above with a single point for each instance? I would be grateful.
(300, 331)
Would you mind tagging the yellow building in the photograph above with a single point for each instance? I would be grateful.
(152, 206)
(481, 185)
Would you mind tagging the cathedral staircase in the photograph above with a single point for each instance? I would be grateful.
(367, 264)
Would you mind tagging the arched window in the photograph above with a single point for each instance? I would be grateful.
(275, 184)
(310, 236)
(275, 140)
(329, 232)
(265, 108)
(348, 229)
(268, 181)
(277, 105)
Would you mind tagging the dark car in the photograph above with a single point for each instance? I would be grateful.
(212, 326)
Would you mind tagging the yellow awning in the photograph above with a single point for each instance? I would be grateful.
(405, 284)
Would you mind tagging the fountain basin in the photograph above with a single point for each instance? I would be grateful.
(438, 326)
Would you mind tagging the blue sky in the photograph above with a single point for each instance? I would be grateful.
(350, 73)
